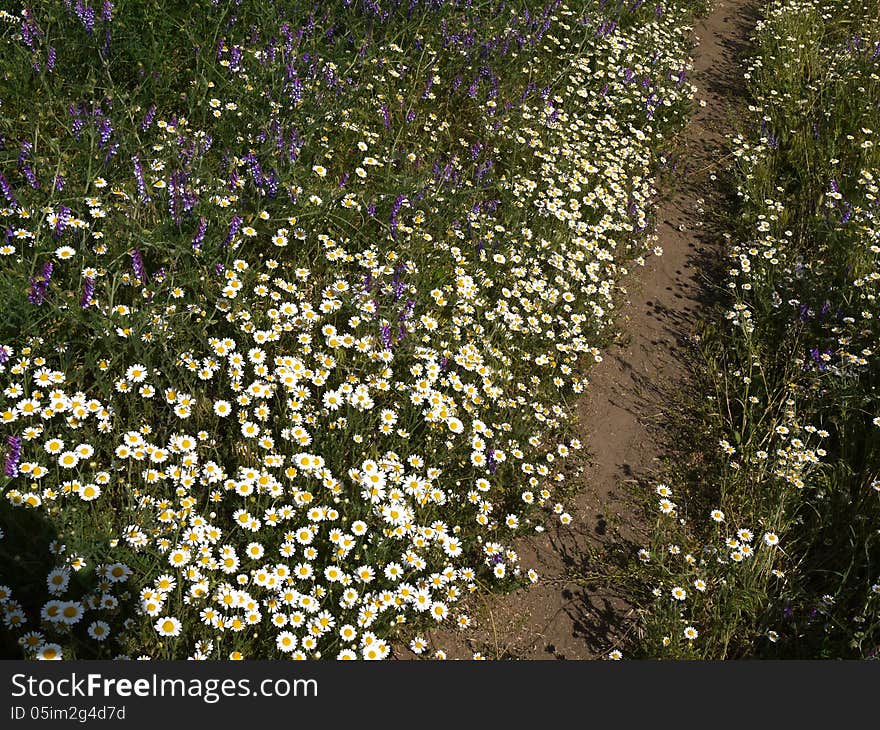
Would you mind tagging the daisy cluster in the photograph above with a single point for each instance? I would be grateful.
(783, 539)
(295, 338)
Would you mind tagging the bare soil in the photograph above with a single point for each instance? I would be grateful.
(572, 613)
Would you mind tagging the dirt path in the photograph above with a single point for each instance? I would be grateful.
(568, 615)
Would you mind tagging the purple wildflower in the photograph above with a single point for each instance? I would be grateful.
(137, 264)
(105, 131)
(31, 176)
(385, 335)
(398, 204)
(148, 118)
(25, 151)
(139, 178)
(7, 191)
(234, 227)
(398, 286)
(200, 234)
(13, 454)
(61, 223)
(490, 461)
(39, 285)
(88, 292)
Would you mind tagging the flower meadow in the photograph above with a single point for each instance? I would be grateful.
(297, 299)
(769, 548)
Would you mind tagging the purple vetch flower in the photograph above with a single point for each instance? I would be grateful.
(219, 268)
(23, 155)
(112, 150)
(77, 120)
(398, 286)
(234, 227)
(386, 119)
(137, 264)
(88, 292)
(491, 464)
(50, 61)
(139, 178)
(200, 234)
(86, 15)
(233, 181)
(5, 354)
(235, 56)
(24, 152)
(398, 204)
(61, 223)
(6, 188)
(107, 11)
(407, 311)
(427, 92)
(105, 131)
(13, 454)
(59, 183)
(30, 175)
(385, 336)
(175, 199)
(296, 90)
(39, 285)
(27, 35)
(148, 118)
